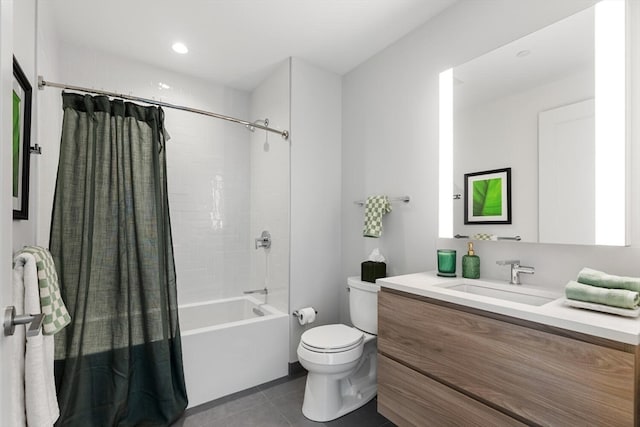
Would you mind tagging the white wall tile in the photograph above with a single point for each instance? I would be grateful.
(270, 180)
(207, 160)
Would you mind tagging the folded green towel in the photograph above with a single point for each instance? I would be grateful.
(613, 297)
(375, 208)
(592, 277)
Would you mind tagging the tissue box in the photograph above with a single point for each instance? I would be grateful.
(372, 270)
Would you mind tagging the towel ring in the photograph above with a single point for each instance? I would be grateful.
(11, 320)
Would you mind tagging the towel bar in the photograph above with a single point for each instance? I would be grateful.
(516, 238)
(405, 199)
(11, 320)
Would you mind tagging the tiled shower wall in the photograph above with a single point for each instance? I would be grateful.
(270, 176)
(209, 169)
(208, 174)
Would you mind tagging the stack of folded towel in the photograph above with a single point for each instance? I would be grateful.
(597, 287)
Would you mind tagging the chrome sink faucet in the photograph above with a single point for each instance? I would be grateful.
(516, 269)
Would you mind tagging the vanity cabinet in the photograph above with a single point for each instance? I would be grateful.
(446, 364)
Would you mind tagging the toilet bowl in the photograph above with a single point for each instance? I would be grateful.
(341, 360)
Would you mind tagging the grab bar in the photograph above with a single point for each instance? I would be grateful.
(11, 320)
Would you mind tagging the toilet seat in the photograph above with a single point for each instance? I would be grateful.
(332, 339)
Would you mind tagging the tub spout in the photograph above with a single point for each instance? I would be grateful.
(264, 291)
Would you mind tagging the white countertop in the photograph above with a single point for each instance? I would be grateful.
(554, 313)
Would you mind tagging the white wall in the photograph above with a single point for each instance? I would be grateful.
(17, 37)
(24, 49)
(270, 175)
(8, 366)
(49, 123)
(390, 145)
(316, 177)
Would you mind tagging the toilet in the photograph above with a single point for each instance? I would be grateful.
(341, 360)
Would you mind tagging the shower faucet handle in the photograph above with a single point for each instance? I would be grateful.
(264, 241)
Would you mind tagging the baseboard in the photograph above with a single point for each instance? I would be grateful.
(296, 369)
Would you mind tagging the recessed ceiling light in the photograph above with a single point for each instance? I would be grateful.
(523, 53)
(179, 48)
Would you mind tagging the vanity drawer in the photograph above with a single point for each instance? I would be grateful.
(535, 375)
(408, 398)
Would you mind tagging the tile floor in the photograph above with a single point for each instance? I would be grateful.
(277, 403)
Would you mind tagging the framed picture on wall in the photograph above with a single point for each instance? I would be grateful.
(21, 141)
(487, 197)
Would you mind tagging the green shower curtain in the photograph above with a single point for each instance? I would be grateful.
(119, 363)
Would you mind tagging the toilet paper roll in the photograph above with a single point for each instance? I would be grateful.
(306, 315)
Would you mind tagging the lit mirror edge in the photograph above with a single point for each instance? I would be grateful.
(610, 132)
(613, 209)
(445, 156)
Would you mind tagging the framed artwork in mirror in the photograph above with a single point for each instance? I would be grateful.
(487, 197)
(21, 141)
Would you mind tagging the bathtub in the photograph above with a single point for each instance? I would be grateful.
(230, 345)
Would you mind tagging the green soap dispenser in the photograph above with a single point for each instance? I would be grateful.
(471, 264)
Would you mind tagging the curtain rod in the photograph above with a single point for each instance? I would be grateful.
(42, 83)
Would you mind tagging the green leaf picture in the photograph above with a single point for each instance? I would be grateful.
(16, 143)
(487, 197)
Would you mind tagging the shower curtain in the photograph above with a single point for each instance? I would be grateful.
(119, 363)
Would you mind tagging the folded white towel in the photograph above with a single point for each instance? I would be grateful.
(37, 384)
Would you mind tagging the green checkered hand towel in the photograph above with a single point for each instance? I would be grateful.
(376, 207)
(56, 315)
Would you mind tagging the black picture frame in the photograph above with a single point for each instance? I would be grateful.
(21, 141)
(492, 186)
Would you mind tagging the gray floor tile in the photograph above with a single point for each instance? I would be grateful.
(279, 404)
(276, 389)
(265, 415)
(365, 416)
(223, 408)
(201, 419)
(290, 405)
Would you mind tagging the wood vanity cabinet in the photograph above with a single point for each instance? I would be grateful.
(445, 364)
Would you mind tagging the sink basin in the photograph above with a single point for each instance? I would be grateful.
(513, 293)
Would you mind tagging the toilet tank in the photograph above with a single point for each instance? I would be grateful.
(363, 304)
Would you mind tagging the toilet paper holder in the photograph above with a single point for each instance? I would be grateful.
(297, 313)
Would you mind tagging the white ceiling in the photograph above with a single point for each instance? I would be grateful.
(238, 42)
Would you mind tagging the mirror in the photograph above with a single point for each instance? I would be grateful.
(549, 106)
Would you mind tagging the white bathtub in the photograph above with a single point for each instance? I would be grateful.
(227, 347)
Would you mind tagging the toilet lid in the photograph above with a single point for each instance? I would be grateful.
(332, 338)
